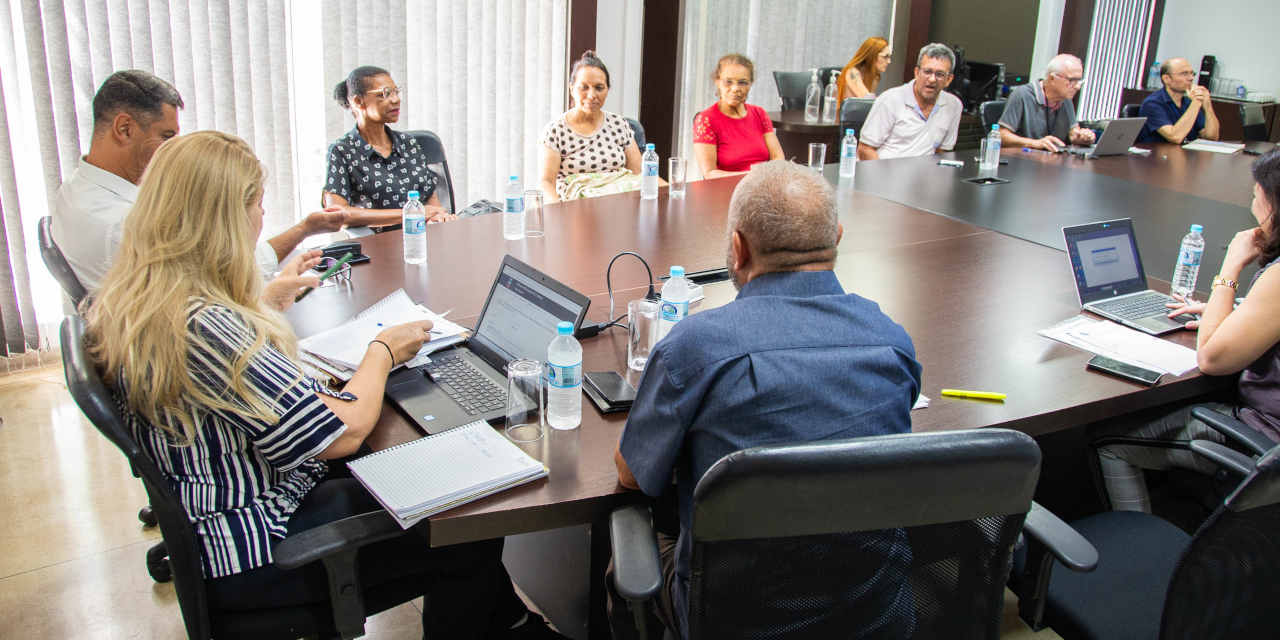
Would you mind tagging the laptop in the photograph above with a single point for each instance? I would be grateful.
(1110, 280)
(1115, 140)
(469, 382)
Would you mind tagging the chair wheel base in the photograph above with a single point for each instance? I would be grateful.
(158, 563)
(147, 516)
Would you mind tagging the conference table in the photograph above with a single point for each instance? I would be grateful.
(971, 272)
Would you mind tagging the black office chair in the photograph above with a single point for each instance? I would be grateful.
(1130, 110)
(853, 114)
(1255, 124)
(439, 164)
(337, 543)
(824, 76)
(1158, 582)
(767, 513)
(638, 129)
(991, 111)
(56, 263)
(792, 86)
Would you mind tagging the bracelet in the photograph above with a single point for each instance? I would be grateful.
(1221, 281)
(389, 351)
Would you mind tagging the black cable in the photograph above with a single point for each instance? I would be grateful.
(588, 331)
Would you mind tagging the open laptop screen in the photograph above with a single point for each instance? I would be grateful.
(520, 318)
(1104, 257)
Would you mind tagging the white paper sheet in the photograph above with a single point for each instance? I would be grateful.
(1124, 344)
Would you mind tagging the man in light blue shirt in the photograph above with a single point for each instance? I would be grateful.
(792, 359)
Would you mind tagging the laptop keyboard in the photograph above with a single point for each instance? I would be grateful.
(475, 392)
(1138, 307)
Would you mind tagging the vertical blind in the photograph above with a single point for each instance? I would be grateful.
(781, 36)
(1117, 49)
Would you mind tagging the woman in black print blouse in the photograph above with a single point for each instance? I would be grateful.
(586, 139)
(373, 168)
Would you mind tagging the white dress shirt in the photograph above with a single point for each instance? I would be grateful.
(88, 223)
(897, 127)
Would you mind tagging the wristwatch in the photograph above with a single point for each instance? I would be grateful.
(1219, 280)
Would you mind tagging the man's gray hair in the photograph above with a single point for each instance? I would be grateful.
(1058, 63)
(787, 214)
(937, 51)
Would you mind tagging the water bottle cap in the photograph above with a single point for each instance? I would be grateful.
(413, 194)
(995, 127)
(1195, 228)
(513, 177)
(648, 147)
(564, 328)
(848, 132)
(677, 272)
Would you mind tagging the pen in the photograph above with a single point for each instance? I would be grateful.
(985, 395)
(330, 271)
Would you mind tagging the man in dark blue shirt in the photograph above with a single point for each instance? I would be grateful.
(1182, 111)
(792, 359)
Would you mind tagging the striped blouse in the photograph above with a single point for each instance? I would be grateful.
(241, 478)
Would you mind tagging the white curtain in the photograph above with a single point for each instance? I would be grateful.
(485, 75)
(782, 35)
(1117, 49)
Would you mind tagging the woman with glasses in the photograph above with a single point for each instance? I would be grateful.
(587, 151)
(861, 77)
(731, 135)
(373, 168)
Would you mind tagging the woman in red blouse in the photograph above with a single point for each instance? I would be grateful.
(732, 135)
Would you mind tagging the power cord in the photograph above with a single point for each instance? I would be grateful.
(592, 330)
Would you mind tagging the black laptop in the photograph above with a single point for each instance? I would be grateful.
(469, 382)
(1110, 281)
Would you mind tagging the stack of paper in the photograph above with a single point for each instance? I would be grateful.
(1121, 343)
(1213, 146)
(339, 351)
(449, 469)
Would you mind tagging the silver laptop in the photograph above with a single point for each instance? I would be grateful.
(1110, 280)
(1116, 139)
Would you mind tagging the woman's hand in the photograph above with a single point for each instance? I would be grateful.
(405, 340)
(1185, 306)
(1242, 252)
(438, 214)
(280, 292)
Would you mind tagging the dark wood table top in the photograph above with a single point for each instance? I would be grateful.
(794, 121)
(972, 300)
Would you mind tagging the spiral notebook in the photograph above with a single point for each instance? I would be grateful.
(440, 472)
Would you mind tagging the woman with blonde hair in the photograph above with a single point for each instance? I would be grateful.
(861, 77)
(202, 363)
(731, 136)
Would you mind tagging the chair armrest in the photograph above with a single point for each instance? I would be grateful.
(1233, 460)
(343, 535)
(637, 565)
(1234, 429)
(1069, 547)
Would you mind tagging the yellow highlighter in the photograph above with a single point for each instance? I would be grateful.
(985, 395)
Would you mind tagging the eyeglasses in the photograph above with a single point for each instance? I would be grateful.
(741, 84)
(1075, 82)
(386, 93)
(1184, 74)
(342, 275)
(940, 75)
(886, 56)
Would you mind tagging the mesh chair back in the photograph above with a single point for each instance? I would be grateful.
(439, 164)
(991, 111)
(1255, 123)
(1130, 110)
(638, 130)
(96, 402)
(905, 536)
(56, 263)
(791, 88)
(853, 114)
(1227, 581)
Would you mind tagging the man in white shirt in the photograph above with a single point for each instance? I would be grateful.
(917, 118)
(134, 112)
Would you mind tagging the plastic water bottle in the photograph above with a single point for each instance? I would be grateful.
(649, 174)
(1184, 275)
(848, 154)
(829, 106)
(1153, 77)
(564, 381)
(993, 148)
(513, 210)
(812, 99)
(675, 302)
(415, 230)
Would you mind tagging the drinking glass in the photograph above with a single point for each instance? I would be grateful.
(642, 322)
(524, 400)
(533, 200)
(817, 155)
(675, 177)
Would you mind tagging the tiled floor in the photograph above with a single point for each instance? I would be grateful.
(72, 550)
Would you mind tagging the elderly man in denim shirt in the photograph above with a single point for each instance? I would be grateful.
(792, 359)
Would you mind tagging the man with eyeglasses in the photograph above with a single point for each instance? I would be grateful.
(917, 118)
(1182, 112)
(1041, 115)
